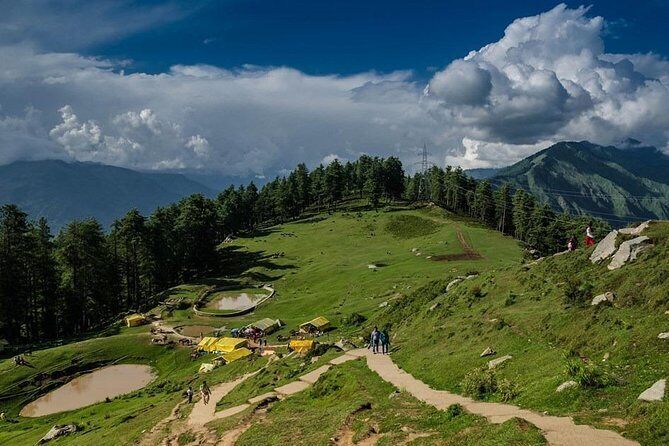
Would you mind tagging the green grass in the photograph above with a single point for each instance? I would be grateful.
(352, 399)
(548, 328)
(539, 313)
(122, 419)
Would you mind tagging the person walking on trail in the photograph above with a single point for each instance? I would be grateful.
(385, 341)
(571, 244)
(589, 235)
(374, 340)
(205, 391)
(189, 394)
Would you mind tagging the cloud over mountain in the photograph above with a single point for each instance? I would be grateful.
(548, 78)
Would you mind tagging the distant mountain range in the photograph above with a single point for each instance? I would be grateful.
(614, 184)
(64, 191)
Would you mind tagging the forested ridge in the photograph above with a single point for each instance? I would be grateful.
(63, 286)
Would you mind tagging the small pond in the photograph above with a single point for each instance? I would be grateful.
(231, 301)
(91, 388)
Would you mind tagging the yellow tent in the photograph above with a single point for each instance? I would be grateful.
(226, 345)
(206, 343)
(301, 346)
(318, 324)
(234, 355)
(135, 320)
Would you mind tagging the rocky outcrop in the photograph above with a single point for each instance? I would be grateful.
(495, 362)
(624, 253)
(635, 231)
(654, 392)
(627, 251)
(605, 248)
(606, 297)
(663, 335)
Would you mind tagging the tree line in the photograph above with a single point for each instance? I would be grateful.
(84, 277)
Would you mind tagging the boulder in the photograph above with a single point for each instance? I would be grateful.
(605, 248)
(663, 335)
(624, 252)
(654, 392)
(606, 357)
(383, 304)
(372, 266)
(58, 431)
(606, 297)
(495, 362)
(488, 352)
(635, 231)
(636, 250)
(566, 385)
(434, 306)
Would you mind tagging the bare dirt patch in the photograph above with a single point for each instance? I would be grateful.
(468, 252)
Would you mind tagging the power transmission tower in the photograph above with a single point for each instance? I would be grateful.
(423, 185)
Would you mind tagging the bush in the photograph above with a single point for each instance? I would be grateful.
(577, 292)
(510, 299)
(454, 410)
(507, 390)
(476, 292)
(587, 375)
(354, 320)
(479, 383)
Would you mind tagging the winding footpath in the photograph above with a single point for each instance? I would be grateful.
(558, 431)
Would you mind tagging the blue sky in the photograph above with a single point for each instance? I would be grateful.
(345, 37)
(254, 87)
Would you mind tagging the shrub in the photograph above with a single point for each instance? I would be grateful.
(354, 320)
(577, 292)
(479, 383)
(510, 299)
(507, 390)
(476, 292)
(454, 410)
(587, 375)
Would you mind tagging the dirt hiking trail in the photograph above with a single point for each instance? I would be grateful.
(558, 431)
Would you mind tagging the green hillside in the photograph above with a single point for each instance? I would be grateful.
(584, 178)
(389, 268)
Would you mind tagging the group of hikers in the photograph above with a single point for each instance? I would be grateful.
(589, 239)
(205, 393)
(379, 341)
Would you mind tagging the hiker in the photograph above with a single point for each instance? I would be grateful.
(589, 235)
(189, 394)
(205, 391)
(571, 244)
(385, 341)
(374, 340)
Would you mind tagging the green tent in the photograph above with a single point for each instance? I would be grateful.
(267, 325)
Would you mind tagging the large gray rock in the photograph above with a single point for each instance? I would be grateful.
(635, 231)
(606, 297)
(495, 362)
(58, 431)
(663, 335)
(566, 385)
(605, 248)
(654, 392)
(624, 252)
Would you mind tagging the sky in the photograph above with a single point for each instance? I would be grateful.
(245, 88)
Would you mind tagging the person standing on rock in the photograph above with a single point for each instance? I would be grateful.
(374, 340)
(589, 235)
